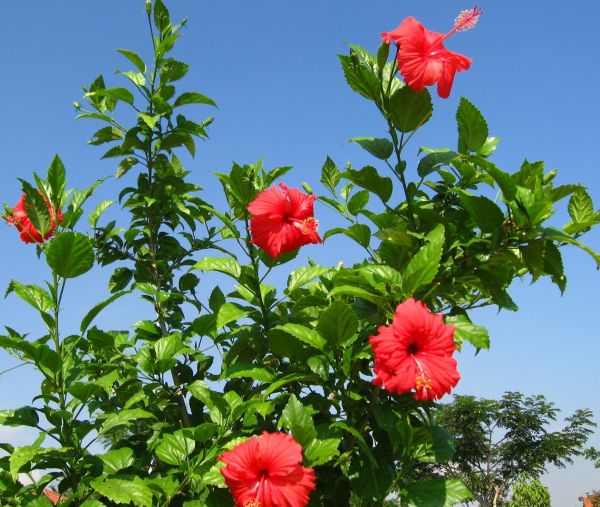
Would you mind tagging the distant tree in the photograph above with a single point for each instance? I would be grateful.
(529, 492)
(593, 454)
(497, 441)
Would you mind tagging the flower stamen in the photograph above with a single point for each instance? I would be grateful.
(422, 381)
(467, 19)
(309, 225)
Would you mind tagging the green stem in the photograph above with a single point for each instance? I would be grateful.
(398, 146)
(257, 291)
(153, 228)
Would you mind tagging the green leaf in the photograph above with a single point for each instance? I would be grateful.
(193, 98)
(33, 295)
(230, 312)
(330, 175)
(503, 179)
(358, 202)
(553, 265)
(432, 161)
(319, 365)
(214, 401)
(84, 391)
(581, 208)
(244, 370)
(124, 166)
(124, 491)
(91, 315)
(478, 336)
(371, 479)
(114, 93)
(230, 267)
(358, 232)
(95, 215)
(297, 419)
(472, 127)
(162, 19)
(352, 290)
(303, 275)
(123, 418)
(134, 58)
(380, 148)
(423, 267)
(542, 257)
(484, 212)
(107, 135)
(432, 444)
(304, 334)
(383, 52)
(359, 438)
(108, 380)
(369, 178)
(320, 452)
(338, 323)
(117, 459)
(409, 109)
(285, 380)
(24, 455)
(175, 449)
(57, 180)
(149, 120)
(558, 235)
(137, 78)
(435, 493)
(489, 147)
(173, 70)
(360, 77)
(70, 254)
(24, 416)
(40, 501)
(167, 349)
(120, 279)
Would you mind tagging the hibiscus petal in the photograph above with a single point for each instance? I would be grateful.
(301, 205)
(281, 452)
(269, 202)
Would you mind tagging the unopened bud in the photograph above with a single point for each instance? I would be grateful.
(148, 7)
(307, 188)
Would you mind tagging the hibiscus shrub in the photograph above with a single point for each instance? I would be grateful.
(319, 392)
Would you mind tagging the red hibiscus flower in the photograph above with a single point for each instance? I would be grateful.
(267, 471)
(422, 58)
(283, 220)
(29, 234)
(415, 352)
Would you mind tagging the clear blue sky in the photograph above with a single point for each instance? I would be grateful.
(271, 67)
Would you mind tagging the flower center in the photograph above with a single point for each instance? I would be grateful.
(252, 503)
(412, 349)
(307, 226)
